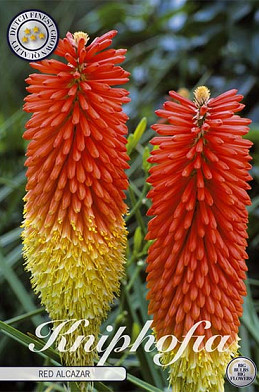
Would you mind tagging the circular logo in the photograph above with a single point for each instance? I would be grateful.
(32, 35)
(241, 372)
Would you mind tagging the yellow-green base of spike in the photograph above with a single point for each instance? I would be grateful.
(76, 278)
(199, 372)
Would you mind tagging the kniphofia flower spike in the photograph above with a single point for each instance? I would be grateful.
(196, 265)
(74, 233)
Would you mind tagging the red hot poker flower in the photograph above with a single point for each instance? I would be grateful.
(74, 232)
(196, 265)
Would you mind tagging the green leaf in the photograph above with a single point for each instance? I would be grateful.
(100, 387)
(24, 316)
(145, 164)
(135, 331)
(10, 236)
(142, 384)
(250, 318)
(18, 288)
(137, 240)
(135, 138)
(7, 190)
(148, 370)
(52, 387)
(25, 340)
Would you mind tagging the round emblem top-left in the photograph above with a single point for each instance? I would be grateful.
(32, 35)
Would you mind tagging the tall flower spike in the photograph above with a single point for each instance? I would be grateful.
(196, 266)
(74, 233)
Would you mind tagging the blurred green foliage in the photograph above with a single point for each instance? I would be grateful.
(171, 44)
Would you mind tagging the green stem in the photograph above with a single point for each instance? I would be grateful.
(134, 276)
(137, 204)
(254, 282)
(136, 210)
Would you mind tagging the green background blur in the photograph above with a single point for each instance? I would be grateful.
(171, 44)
